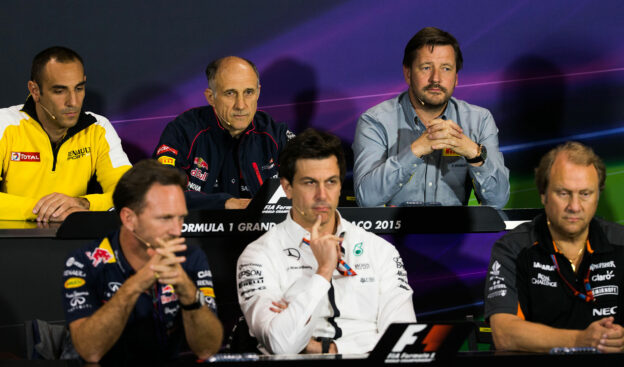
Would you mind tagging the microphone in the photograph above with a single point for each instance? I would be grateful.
(48, 111)
(147, 244)
(421, 102)
(300, 211)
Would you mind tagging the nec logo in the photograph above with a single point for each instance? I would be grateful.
(409, 337)
(605, 311)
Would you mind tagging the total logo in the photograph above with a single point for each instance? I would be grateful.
(25, 157)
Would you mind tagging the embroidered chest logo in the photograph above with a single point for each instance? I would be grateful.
(200, 163)
(25, 157)
(79, 153)
(357, 249)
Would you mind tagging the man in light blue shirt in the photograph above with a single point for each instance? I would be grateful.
(425, 147)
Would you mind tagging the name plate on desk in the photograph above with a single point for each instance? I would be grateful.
(439, 219)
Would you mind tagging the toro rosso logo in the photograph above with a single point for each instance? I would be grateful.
(99, 256)
(201, 163)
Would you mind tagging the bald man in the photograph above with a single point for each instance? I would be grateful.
(227, 149)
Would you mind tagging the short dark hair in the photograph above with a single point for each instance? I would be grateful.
(213, 68)
(311, 144)
(59, 53)
(136, 182)
(431, 36)
(576, 153)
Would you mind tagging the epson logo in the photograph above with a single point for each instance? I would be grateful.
(605, 311)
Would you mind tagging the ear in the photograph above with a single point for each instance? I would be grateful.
(259, 90)
(543, 198)
(209, 94)
(128, 218)
(33, 88)
(407, 74)
(456, 79)
(287, 187)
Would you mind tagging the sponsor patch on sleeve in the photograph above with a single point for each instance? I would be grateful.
(74, 283)
(207, 291)
(167, 160)
(165, 148)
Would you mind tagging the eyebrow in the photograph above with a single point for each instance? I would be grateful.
(59, 86)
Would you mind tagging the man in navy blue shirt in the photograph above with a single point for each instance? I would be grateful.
(141, 294)
(228, 149)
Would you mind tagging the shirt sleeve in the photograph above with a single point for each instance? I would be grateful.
(13, 207)
(198, 270)
(377, 176)
(111, 163)
(491, 180)
(501, 293)
(289, 331)
(79, 293)
(395, 299)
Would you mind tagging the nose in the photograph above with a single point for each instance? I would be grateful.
(321, 192)
(239, 104)
(435, 75)
(72, 99)
(574, 205)
(175, 227)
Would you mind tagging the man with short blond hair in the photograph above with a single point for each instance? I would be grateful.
(554, 282)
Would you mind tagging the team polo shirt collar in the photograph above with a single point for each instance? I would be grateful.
(598, 242)
(84, 120)
(251, 127)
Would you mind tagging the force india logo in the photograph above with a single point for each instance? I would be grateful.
(25, 157)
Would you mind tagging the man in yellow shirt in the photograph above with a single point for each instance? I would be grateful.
(50, 148)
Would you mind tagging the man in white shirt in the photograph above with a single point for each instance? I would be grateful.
(316, 283)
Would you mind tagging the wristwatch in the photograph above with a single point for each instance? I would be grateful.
(199, 301)
(481, 155)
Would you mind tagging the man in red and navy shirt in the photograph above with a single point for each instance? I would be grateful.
(226, 149)
(141, 294)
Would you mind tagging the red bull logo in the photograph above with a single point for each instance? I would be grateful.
(99, 256)
(200, 162)
(168, 294)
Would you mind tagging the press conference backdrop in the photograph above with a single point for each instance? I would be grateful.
(549, 71)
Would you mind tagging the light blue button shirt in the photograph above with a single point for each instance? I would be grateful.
(386, 172)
